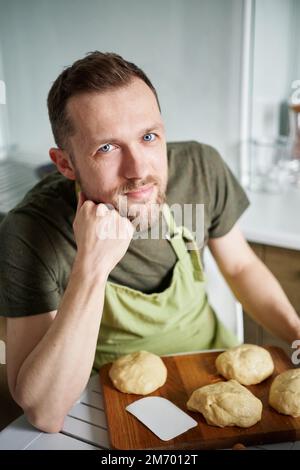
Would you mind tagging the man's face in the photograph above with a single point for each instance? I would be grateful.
(119, 147)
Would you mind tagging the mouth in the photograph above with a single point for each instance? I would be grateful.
(141, 193)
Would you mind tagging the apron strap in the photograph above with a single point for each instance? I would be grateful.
(177, 237)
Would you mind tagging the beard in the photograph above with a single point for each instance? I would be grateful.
(143, 214)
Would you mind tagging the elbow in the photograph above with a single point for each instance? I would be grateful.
(42, 416)
(43, 422)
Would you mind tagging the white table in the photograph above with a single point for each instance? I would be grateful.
(272, 219)
(85, 428)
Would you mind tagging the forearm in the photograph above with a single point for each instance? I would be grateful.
(54, 374)
(264, 300)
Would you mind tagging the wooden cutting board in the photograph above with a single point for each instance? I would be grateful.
(185, 374)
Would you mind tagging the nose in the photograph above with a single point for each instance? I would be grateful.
(135, 165)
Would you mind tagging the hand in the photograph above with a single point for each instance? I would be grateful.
(102, 236)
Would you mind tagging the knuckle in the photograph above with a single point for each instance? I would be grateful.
(88, 204)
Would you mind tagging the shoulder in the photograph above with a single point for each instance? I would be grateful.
(194, 161)
(53, 189)
(197, 152)
(50, 204)
(40, 221)
(24, 241)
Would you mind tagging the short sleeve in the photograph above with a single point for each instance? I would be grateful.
(28, 268)
(228, 200)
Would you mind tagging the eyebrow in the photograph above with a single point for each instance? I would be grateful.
(102, 140)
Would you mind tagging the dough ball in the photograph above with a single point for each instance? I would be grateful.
(248, 364)
(226, 404)
(139, 372)
(284, 393)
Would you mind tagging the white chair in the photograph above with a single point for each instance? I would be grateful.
(221, 298)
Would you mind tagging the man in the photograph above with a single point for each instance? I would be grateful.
(61, 280)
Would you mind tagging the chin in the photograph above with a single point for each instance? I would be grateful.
(144, 214)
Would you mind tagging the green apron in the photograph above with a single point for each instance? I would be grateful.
(178, 319)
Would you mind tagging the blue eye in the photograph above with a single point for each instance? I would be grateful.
(105, 148)
(149, 137)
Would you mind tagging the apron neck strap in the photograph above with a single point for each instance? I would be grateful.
(172, 229)
(177, 236)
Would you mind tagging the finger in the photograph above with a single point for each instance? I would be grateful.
(101, 210)
(125, 228)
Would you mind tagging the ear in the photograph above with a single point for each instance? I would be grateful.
(63, 162)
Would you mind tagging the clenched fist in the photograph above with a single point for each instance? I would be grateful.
(102, 236)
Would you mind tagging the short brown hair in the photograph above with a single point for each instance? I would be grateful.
(96, 72)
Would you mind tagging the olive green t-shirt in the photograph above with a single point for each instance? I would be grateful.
(38, 246)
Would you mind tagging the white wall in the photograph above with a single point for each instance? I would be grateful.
(191, 50)
(296, 41)
(275, 44)
(3, 112)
